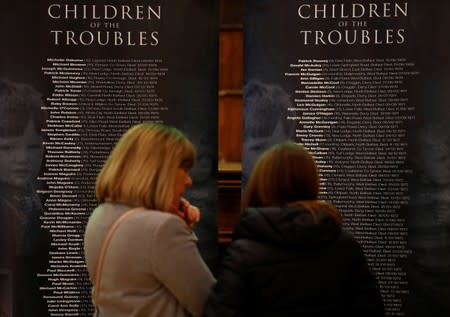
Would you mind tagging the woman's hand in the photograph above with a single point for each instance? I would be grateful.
(189, 213)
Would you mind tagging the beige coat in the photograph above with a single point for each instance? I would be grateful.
(152, 266)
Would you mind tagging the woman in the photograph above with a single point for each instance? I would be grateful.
(289, 256)
(152, 266)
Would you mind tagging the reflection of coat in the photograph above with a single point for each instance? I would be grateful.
(24, 248)
(152, 266)
(7, 234)
(280, 265)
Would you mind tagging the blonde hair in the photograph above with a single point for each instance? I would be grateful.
(285, 173)
(141, 168)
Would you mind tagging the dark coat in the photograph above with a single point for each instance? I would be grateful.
(280, 264)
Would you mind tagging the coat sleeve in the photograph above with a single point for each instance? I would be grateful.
(364, 298)
(227, 297)
(178, 265)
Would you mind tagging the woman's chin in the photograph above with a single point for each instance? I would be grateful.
(177, 202)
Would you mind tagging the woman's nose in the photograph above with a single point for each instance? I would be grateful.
(188, 181)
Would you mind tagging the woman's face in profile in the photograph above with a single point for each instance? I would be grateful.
(182, 181)
(20, 157)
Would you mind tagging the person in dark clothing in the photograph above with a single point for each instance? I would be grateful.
(289, 255)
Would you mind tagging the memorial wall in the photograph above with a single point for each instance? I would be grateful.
(365, 87)
(73, 78)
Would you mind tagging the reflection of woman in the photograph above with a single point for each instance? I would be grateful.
(289, 256)
(265, 112)
(152, 266)
(23, 243)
